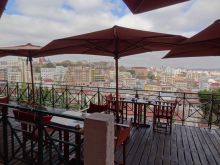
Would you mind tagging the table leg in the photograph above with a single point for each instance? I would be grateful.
(139, 113)
(145, 111)
(66, 146)
(126, 113)
(135, 113)
(145, 115)
(60, 138)
(78, 149)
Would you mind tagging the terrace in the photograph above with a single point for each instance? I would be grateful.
(195, 138)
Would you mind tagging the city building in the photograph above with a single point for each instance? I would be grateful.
(129, 83)
(56, 74)
(140, 72)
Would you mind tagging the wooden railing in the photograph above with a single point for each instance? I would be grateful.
(39, 144)
(191, 109)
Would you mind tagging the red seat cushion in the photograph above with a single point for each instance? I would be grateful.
(30, 116)
(97, 108)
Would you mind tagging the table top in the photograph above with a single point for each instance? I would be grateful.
(140, 101)
(69, 122)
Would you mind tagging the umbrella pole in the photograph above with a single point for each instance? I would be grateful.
(116, 81)
(32, 80)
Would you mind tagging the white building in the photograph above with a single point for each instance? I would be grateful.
(17, 69)
(129, 83)
(55, 74)
(60, 73)
(121, 75)
(14, 75)
(47, 73)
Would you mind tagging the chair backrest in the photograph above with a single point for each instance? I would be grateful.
(111, 103)
(97, 108)
(28, 121)
(30, 116)
(4, 100)
(109, 97)
(164, 108)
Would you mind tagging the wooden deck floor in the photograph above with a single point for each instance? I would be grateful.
(186, 146)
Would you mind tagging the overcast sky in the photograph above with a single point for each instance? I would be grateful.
(40, 21)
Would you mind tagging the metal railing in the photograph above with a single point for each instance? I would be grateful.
(40, 142)
(192, 109)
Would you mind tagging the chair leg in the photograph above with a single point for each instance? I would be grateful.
(154, 122)
(122, 117)
(124, 153)
(171, 126)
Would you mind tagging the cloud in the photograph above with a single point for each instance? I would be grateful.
(41, 21)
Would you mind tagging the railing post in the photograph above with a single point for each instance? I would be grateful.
(159, 96)
(28, 92)
(136, 94)
(103, 154)
(81, 94)
(66, 100)
(78, 146)
(40, 127)
(211, 110)
(36, 92)
(7, 90)
(17, 91)
(183, 116)
(53, 95)
(40, 93)
(98, 96)
(5, 134)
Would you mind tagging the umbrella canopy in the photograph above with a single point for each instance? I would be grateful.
(28, 51)
(140, 6)
(205, 43)
(115, 42)
(2, 6)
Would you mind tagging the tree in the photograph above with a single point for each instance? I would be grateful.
(122, 69)
(210, 100)
(50, 65)
(66, 63)
(37, 68)
(132, 72)
(150, 75)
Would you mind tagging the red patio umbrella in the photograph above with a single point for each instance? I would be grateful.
(2, 6)
(28, 51)
(115, 42)
(205, 43)
(140, 6)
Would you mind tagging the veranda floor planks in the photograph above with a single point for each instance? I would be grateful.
(186, 145)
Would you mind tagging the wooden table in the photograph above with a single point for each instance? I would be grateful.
(66, 124)
(138, 105)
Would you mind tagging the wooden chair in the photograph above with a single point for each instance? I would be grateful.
(122, 134)
(163, 115)
(29, 130)
(111, 104)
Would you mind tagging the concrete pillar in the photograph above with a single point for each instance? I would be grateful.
(99, 139)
